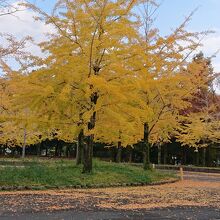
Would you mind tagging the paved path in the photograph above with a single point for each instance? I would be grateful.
(197, 197)
(197, 176)
(210, 177)
(178, 213)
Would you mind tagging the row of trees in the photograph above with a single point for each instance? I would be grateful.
(109, 77)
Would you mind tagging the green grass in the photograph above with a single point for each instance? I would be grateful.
(65, 173)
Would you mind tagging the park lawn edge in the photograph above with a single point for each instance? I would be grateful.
(64, 174)
(89, 186)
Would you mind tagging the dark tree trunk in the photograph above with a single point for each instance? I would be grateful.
(184, 155)
(204, 157)
(56, 150)
(119, 153)
(159, 154)
(196, 153)
(130, 155)
(113, 154)
(60, 150)
(67, 151)
(87, 154)
(24, 143)
(79, 149)
(146, 148)
(165, 154)
(208, 163)
(38, 149)
(46, 151)
(88, 146)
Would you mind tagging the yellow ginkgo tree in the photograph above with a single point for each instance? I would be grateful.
(165, 88)
(200, 123)
(105, 79)
(88, 56)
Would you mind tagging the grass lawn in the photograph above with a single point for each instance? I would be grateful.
(64, 173)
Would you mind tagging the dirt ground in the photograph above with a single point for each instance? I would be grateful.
(194, 198)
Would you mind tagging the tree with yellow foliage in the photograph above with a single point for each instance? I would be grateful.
(16, 129)
(164, 87)
(200, 123)
(99, 47)
(105, 79)
(18, 126)
(87, 58)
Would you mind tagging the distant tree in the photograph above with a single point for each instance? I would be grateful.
(201, 124)
(164, 87)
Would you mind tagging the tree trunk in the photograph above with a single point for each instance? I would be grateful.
(79, 148)
(146, 153)
(67, 151)
(146, 148)
(184, 156)
(119, 152)
(60, 150)
(159, 154)
(56, 150)
(197, 158)
(165, 154)
(208, 156)
(88, 146)
(204, 157)
(87, 154)
(24, 143)
(46, 151)
(38, 149)
(196, 153)
(130, 155)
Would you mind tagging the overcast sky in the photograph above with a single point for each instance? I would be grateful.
(170, 14)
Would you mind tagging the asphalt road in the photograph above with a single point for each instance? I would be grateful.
(204, 177)
(93, 212)
(178, 213)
